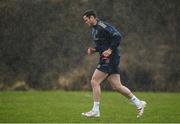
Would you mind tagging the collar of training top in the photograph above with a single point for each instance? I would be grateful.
(100, 23)
(96, 23)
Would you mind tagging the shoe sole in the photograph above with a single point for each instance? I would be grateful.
(144, 105)
(84, 114)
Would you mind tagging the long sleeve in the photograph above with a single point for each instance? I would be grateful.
(115, 37)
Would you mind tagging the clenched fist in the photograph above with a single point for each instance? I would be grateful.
(91, 51)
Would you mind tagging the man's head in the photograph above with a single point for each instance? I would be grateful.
(89, 17)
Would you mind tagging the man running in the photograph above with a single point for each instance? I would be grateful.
(107, 40)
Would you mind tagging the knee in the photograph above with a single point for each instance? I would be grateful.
(118, 87)
(94, 83)
(113, 87)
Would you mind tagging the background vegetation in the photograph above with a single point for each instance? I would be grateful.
(43, 43)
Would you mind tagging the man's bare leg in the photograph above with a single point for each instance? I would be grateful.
(97, 78)
(115, 81)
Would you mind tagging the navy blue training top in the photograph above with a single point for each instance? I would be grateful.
(106, 36)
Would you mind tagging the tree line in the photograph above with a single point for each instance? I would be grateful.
(43, 43)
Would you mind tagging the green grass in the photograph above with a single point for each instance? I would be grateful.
(62, 106)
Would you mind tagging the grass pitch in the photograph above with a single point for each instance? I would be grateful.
(66, 107)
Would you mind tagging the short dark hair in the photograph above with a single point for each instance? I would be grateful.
(89, 13)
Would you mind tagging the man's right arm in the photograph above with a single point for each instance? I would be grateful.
(115, 37)
(91, 51)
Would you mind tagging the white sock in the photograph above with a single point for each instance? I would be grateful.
(136, 101)
(96, 106)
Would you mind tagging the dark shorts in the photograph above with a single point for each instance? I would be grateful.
(109, 65)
